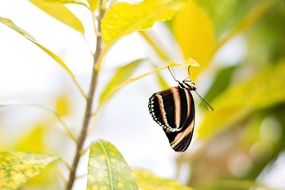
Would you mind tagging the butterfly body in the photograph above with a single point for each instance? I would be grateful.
(174, 110)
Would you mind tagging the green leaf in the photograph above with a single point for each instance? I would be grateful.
(123, 18)
(92, 5)
(61, 13)
(264, 90)
(107, 169)
(16, 168)
(11, 24)
(148, 181)
(221, 82)
(121, 75)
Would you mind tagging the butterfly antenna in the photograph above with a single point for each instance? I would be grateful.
(172, 74)
(208, 105)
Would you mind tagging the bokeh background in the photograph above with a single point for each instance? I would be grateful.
(239, 145)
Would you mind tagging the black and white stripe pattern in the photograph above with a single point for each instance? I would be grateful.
(174, 110)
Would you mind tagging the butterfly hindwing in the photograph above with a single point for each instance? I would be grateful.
(174, 110)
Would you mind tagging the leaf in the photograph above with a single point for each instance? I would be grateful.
(107, 169)
(92, 5)
(123, 18)
(121, 75)
(33, 140)
(16, 168)
(220, 82)
(62, 105)
(11, 24)
(148, 181)
(259, 92)
(61, 13)
(194, 33)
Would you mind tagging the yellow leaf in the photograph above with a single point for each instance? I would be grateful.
(61, 13)
(121, 75)
(107, 169)
(11, 24)
(92, 5)
(17, 167)
(148, 181)
(62, 105)
(33, 140)
(195, 35)
(123, 18)
(259, 92)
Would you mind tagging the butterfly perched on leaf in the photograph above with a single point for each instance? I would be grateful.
(174, 110)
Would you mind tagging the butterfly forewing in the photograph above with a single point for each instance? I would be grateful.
(174, 110)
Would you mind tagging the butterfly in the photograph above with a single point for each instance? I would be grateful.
(174, 110)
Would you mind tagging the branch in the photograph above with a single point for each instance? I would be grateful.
(98, 56)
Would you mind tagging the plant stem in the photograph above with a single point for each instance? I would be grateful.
(89, 104)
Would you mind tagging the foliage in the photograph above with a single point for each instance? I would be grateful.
(148, 181)
(245, 98)
(60, 12)
(135, 17)
(240, 139)
(194, 33)
(107, 168)
(17, 167)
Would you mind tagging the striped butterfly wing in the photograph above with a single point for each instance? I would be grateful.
(174, 110)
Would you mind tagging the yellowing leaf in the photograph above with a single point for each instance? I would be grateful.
(16, 168)
(119, 78)
(61, 13)
(33, 140)
(148, 181)
(107, 169)
(11, 24)
(92, 5)
(123, 18)
(195, 35)
(62, 105)
(260, 92)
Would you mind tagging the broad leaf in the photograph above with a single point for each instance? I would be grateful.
(259, 92)
(121, 75)
(11, 24)
(123, 18)
(16, 168)
(195, 35)
(107, 169)
(148, 181)
(61, 13)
